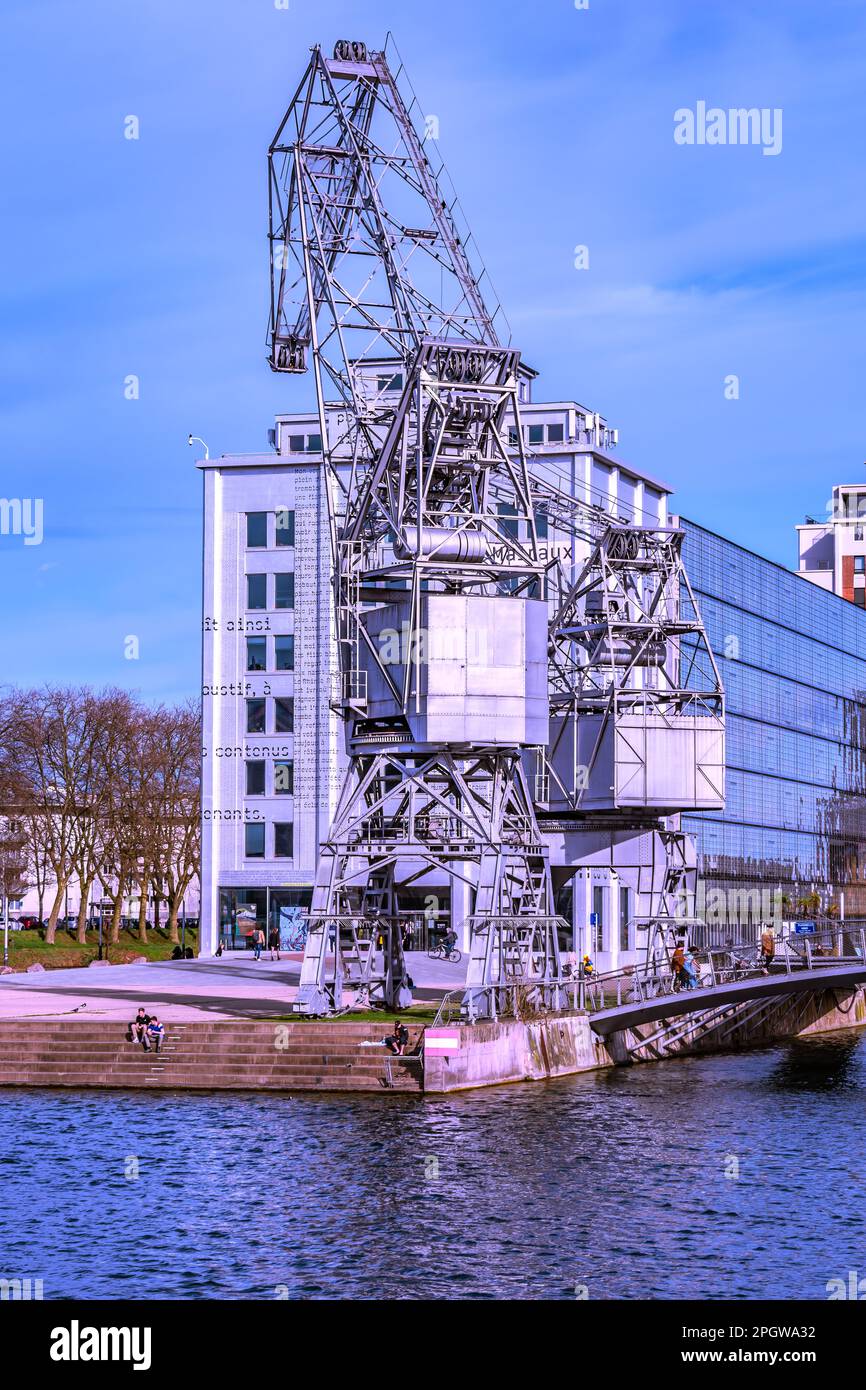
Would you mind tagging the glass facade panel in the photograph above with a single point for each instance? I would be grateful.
(284, 715)
(257, 653)
(257, 591)
(256, 716)
(284, 778)
(285, 527)
(255, 778)
(284, 590)
(283, 839)
(284, 653)
(254, 841)
(793, 663)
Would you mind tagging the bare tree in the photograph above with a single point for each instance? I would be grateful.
(103, 789)
(53, 747)
(178, 825)
(118, 813)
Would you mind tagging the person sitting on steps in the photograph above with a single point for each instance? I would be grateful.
(138, 1027)
(155, 1034)
(398, 1041)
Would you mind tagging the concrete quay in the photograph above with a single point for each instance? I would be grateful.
(228, 1028)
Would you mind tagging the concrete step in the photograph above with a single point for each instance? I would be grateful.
(196, 1083)
(237, 1055)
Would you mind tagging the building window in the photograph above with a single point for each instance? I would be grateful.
(860, 564)
(860, 598)
(507, 526)
(555, 434)
(255, 778)
(257, 591)
(255, 716)
(284, 652)
(257, 530)
(284, 838)
(314, 443)
(390, 383)
(285, 527)
(513, 435)
(536, 434)
(284, 716)
(541, 525)
(624, 914)
(257, 653)
(284, 778)
(284, 590)
(296, 443)
(254, 841)
(598, 918)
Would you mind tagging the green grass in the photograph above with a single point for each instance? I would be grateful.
(416, 1013)
(65, 953)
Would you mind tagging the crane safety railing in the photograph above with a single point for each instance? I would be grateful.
(520, 1000)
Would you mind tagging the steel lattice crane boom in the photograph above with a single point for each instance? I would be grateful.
(376, 287)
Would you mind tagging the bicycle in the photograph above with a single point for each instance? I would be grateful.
(442, 953)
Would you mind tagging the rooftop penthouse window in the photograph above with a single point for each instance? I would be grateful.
(305, 443)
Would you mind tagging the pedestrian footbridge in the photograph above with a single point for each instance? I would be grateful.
(734, 990)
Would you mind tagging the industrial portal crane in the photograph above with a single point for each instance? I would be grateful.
(483, 687)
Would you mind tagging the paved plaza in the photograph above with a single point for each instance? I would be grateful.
(235, 986)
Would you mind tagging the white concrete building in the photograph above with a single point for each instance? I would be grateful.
(272, 752)
(832, 553)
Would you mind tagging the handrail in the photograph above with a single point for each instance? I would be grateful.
(726, 965)
(504, 1000)
(730, 963)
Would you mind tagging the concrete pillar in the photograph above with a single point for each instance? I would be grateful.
(461, 907)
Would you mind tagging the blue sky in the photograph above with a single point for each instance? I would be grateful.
(149, 257)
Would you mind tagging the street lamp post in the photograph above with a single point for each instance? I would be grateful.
(183, 927)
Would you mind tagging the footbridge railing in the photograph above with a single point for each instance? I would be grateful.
(835, 948)
(791, 954)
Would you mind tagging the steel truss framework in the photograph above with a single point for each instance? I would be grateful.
(377, 288)
(627, 639)
(374, 286)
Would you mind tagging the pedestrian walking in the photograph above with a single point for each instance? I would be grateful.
(768, 948)
(274, 943)
(258, 942)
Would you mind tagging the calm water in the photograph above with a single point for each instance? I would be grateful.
(616, 1180)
